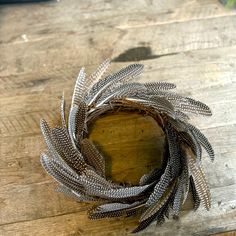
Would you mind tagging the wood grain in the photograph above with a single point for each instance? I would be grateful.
(43, 46)
(230, 233)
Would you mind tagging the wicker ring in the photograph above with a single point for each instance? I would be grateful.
(76, 164)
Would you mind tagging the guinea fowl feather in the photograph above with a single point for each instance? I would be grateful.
(195, 195)
(171, 171)
(130, 71)
(199, 180)
(76, 122)
(71, 155)
(123, 90)
(155, 207)
(61, 176)
(202, 140)
(79, 90)
(75, 194)
(115, 210)
(97, 75)
(158, 103)
(191, 141)
(156, 86)
(152, 176)
(92, 156)
(178, 199)
(63, 116)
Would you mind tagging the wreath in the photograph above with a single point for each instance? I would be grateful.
(79, 168)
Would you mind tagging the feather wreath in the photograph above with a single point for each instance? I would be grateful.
(76, 164)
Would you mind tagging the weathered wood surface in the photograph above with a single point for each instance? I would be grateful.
(230, 233)
(43, 46)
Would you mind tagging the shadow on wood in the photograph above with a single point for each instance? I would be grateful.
(131, 143)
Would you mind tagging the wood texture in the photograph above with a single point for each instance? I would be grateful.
(230, 233)
(43, 46)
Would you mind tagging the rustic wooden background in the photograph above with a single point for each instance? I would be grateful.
(42, 46)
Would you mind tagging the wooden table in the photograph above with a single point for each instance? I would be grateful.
(43, 46)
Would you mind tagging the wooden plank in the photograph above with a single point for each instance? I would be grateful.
(221, 218)
(44, 54)
(35, 201)
(65, 16)
(230, 233)
(69, 224)
(207, 67)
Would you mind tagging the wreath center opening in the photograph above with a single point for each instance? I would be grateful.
(131, 143)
